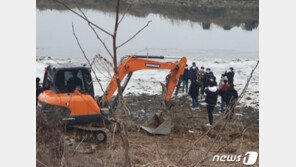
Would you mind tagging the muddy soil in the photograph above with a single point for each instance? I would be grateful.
(168, 150)
(144, 106)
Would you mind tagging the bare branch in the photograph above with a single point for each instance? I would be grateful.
(227, 144)
(95, 32)
(89, 22)
(80, 143)
(206, 155)
(134, 34)
(127, 9)
(104, 63)
(100, 70)
(89, 63)
(105, 60)
(41, 163)
(103, 43)
(247, 84)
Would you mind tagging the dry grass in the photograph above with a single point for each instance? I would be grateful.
(51, 149)
(150, 150)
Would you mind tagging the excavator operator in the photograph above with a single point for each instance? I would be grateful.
(74, 83)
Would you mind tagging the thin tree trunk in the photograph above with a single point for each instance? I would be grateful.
(123, 133)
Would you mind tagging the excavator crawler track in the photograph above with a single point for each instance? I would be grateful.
(99, 134)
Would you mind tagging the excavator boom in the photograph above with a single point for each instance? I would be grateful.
(159, 123)
(134, 63)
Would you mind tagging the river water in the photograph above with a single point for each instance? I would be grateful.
(164, 36)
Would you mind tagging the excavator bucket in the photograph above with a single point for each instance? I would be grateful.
(159, 124)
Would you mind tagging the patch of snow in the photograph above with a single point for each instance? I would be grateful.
(190, 131)
(239, 114)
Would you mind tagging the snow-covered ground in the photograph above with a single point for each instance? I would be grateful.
(147, 81)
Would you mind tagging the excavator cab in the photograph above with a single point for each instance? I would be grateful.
(68, 89)
(68, 96)
(65, 80)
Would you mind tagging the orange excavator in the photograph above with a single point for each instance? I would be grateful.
(68, 89)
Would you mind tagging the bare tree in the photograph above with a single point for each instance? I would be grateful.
(123, 110)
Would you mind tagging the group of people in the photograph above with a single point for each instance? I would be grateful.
(203, 84)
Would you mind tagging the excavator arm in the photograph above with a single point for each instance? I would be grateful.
(134, 63)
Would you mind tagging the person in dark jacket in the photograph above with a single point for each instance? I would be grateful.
(185, 78)
(230, 97)
(230, 75)
(211, 100)
(210, 78)
(193, 71)
(38, 89)
(223, 87)
(200, 75)
(194, 92)
(205, 79)
(213, 78)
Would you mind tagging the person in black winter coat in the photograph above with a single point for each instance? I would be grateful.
(194, 92)
(185, 78)
(210, 78)
(230, 75)
(211, 100)
(213, 78)
(193, 71)
(230, 97)
(205, 79)
(38, 89)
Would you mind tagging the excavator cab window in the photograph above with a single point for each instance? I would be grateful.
(67, 81)
(88, 82)
(47, 80)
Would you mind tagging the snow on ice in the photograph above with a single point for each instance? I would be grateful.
(148, 81)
